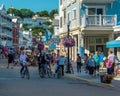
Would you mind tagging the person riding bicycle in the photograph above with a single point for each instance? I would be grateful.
(48, 60)
(23, 59)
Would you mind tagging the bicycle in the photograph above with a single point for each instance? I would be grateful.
(58, 73)
(42, 71)
(25, 71)
(48, 71)
(71, 69)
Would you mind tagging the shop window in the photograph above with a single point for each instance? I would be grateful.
(91, 40)
(92, 48)
(105, 40)
(98, 40)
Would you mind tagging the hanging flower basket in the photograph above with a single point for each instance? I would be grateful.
(68, 42)
(40, 46)
(34, 40)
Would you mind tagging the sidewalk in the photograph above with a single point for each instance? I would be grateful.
(96, 79)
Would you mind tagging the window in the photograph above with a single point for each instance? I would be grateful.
(91, 40)
(74, 14)
(60, 22)
(91, 11)
(105, 40)
(95, 11)
(64, 17)
(98, 40)
(60, 2)
(92, 48)
(68, 16)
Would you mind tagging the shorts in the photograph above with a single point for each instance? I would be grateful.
(101, 64)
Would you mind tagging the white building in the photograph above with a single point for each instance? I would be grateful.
(27, 38)
(35, 21)
(5, 28)
(56, 25)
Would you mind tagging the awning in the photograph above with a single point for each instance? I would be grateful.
(113, 44)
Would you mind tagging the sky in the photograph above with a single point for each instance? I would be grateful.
(34, 5)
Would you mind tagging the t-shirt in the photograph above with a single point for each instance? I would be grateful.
(62, 60)
(91, 62)
(97, 59)
(101, 57)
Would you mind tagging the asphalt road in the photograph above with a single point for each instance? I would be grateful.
(12, 85)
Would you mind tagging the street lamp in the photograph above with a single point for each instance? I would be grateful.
(68, 65)
(40, 34)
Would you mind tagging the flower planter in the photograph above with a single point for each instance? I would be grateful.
(106, 78)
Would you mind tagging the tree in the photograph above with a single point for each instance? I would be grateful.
(43, 13)
(26, 26)
(13, 11)
(47, 23)
(52, 13)
(37, 30)
(51, 29)
(26, 13)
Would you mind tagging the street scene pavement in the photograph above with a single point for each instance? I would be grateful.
(11, 84)
(94, 79)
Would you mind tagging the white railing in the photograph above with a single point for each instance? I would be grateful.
(98, 20)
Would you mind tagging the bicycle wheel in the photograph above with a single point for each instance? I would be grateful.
(49, 73)
(71, 70)
(59, 73)
(27, 74)
(42, 72)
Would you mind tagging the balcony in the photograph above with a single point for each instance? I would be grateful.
(97, 1)
(104, 21)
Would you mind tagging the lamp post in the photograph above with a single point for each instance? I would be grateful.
(30, 38)
(40, 34)
(68, 65)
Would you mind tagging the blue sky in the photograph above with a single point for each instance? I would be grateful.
(34, 5)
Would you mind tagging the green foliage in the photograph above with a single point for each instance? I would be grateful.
(47, 23)
(23, 13)
(14, 11)
(26, 13)
(52, 13)
(51, 29)
(25, 26)
(37, 30)
(43, 13)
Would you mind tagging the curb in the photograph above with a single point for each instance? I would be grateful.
(90, 81)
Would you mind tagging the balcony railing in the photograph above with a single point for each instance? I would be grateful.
(98, 20)
(97, 1)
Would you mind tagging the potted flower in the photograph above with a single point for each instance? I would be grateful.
(107, 78)
(68, 42)
(40, 46)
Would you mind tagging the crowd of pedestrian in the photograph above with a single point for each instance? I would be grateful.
(94, 62)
